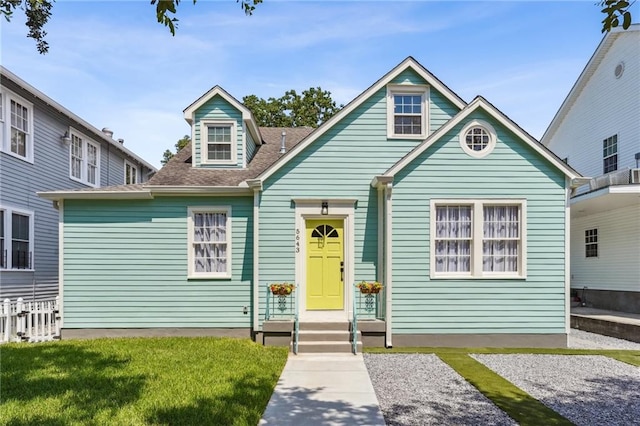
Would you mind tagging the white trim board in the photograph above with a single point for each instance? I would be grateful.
(408, 63)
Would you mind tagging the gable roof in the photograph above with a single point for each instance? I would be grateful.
(596, 59)
(408, 63)
(247, 116)
(480, 103)
(95, 132)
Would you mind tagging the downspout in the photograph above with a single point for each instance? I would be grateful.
(380, 269)
(60, 207)
(567, 259)
(256, 185)
(388, 263)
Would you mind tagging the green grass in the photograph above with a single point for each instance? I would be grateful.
(518, 404)
(176, 381)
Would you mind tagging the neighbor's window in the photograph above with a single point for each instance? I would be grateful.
(218, 142)
(610, 154)
(84, 160)
(591, 242)
(407, 111)
(478, 238)
(210, 242)
(16, 239)
(130, 173)
(17, 115)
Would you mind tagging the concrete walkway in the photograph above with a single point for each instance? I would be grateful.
(323, 389)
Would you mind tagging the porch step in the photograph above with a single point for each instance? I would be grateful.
(326, 336)
(326, 347)
(325, 326)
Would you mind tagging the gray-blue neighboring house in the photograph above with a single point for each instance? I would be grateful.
(44, 146)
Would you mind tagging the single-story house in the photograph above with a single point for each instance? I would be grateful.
(459, 213)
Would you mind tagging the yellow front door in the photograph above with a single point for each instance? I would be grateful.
(325, 267)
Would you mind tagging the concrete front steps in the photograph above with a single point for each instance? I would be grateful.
(323, 337)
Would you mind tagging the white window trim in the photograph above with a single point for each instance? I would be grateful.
(477, 235)
(407, 89)
(8, 237)
(86, 141)
(133, 166)
(191, 274)
(204, 152)
(596, 242)
(7, 97)
(492, 138)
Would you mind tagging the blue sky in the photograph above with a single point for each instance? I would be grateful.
(112, 64)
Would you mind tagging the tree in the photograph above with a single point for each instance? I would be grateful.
(311, 108)
(38, 13)
(168, 155)
(614, 10)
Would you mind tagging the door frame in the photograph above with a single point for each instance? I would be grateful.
(310, 208)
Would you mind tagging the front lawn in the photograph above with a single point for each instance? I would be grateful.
(162, 381)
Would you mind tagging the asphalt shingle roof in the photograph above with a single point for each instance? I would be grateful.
(180, 172)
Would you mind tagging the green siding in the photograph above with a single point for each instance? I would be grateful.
(340, 164)
(251, 147)
(218, 108)
(125, 266)
(512, 170)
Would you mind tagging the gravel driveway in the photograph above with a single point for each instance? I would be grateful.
(420, 389)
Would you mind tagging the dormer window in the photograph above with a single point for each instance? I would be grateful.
(219, 142)
(407, 111)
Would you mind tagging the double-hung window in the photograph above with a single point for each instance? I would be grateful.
(84, 160)
(407, 111)
(130, 173)
(16, 126)
(16, 239)
(591, 242)
(218, 142)
(478, 238)
(610, 154)
(209, 242)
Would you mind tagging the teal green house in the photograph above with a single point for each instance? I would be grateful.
(460, 214)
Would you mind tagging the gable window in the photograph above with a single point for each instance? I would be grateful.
(478, 138)
(209, 242)
(478, 238)
(610, 154)
(16, 239)
(407, 111)
(218, 142)
(84, 160)
(16, 116)
(130, 173)
(591, 242)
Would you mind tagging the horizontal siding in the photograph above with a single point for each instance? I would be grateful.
(512, 170)
(340, 164)
(19, 182)
(606, 106)
(617, 266)
(125, 266)
(218, 108)
(251, 147)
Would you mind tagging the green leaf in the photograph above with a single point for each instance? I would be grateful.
(627, 20)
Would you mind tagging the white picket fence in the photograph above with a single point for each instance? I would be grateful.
(22, 321)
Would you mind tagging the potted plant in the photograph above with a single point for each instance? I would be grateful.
(373, 287)
(282, 289)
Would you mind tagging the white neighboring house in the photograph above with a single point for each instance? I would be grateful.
(597, 131)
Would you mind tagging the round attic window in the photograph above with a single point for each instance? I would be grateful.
(619, 70)
(478, 138)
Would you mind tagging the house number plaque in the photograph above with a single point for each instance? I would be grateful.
(297, 240)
